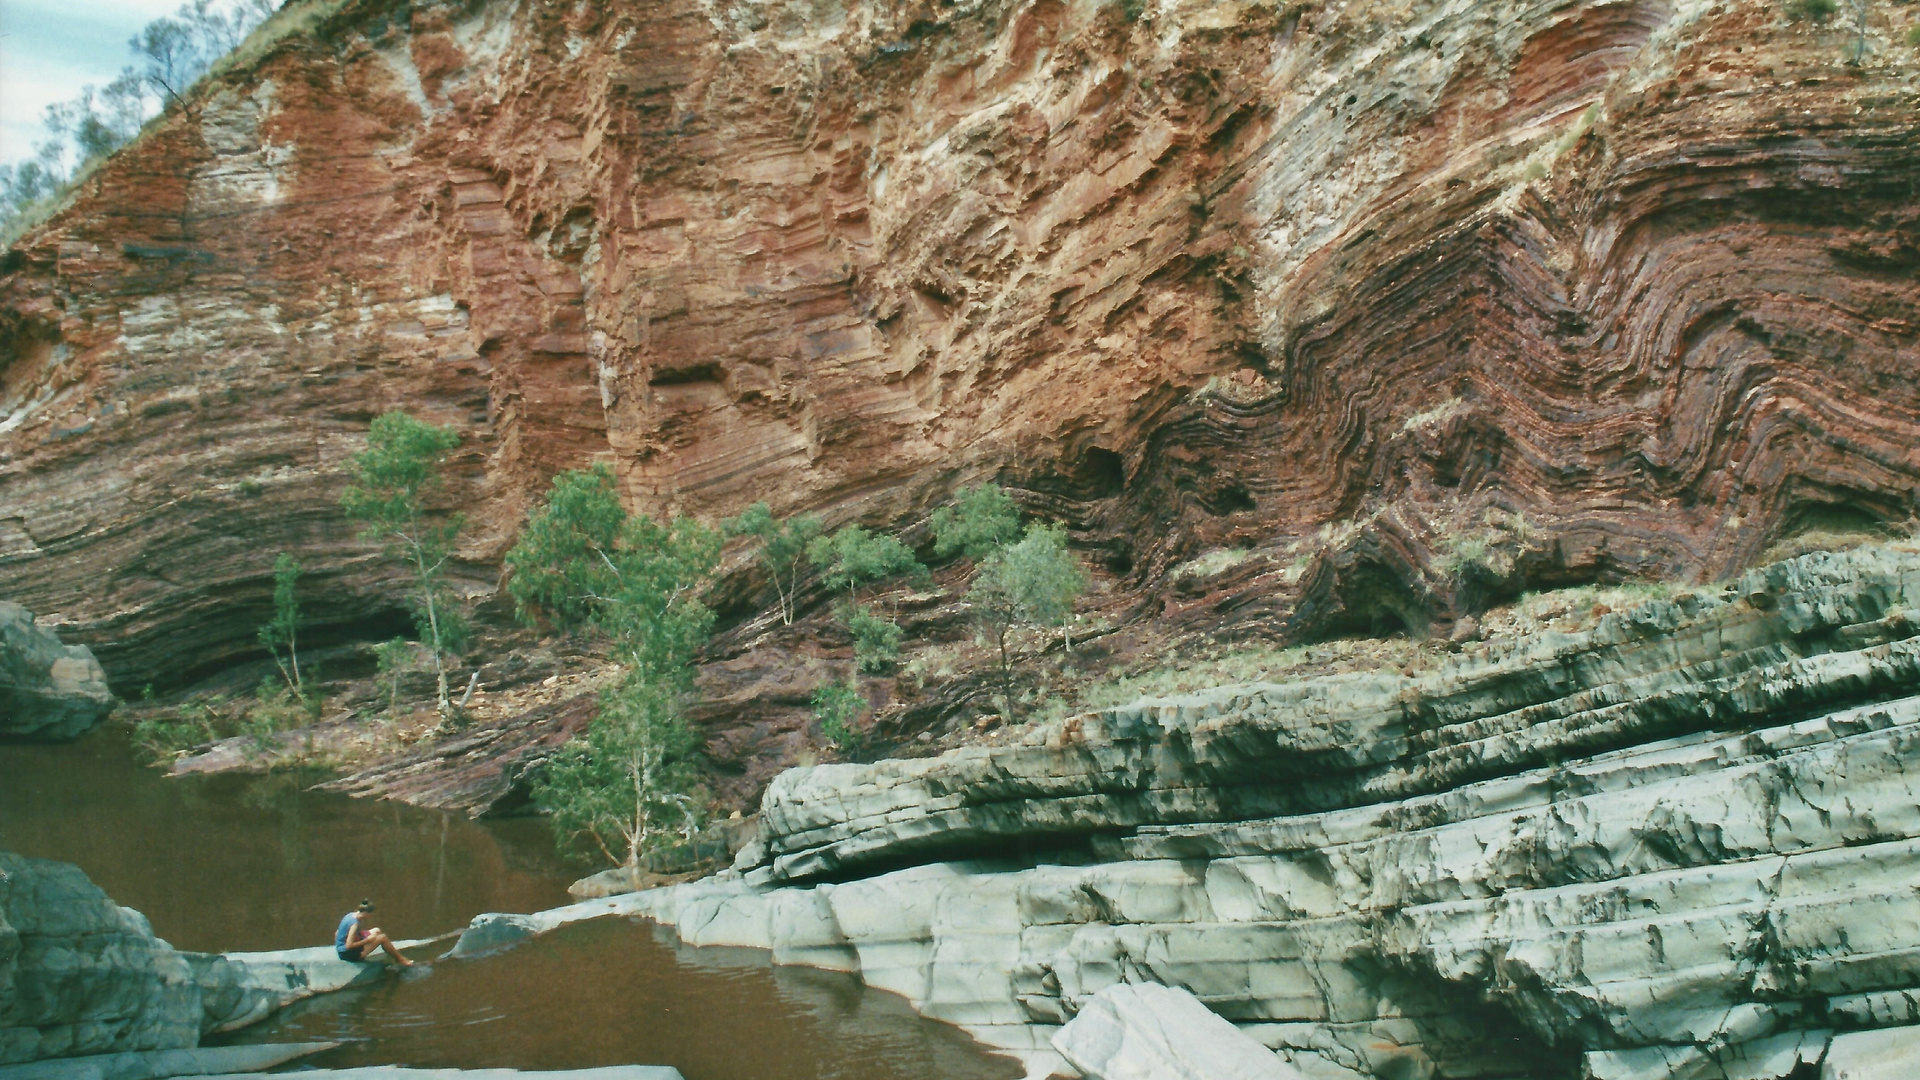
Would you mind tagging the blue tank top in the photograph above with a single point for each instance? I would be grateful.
(346, 926)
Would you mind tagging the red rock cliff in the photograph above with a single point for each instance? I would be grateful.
(1366, 288)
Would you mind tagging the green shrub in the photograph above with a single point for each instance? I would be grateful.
(876, 640)
(836, 705)
(392, 659)
(853, 557)
(163, 735)
(981, 521)
(1811, 10)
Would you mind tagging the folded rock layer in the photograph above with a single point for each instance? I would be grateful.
(1636, 277)
(1679, 846)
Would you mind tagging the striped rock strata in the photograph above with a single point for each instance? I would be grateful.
(1680, 846)
(1187, 274)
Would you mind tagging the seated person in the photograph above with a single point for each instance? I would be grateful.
(355, 943)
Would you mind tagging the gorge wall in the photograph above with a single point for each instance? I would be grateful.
(1603, 287)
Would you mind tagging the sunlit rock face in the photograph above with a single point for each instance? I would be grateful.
(1608, 287)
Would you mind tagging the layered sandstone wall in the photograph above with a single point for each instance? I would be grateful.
(1608, 287)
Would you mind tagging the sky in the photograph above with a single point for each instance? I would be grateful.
(49, 49)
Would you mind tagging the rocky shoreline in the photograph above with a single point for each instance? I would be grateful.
(1677, 847)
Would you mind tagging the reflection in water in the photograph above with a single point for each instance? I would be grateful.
(612, 992)
(225, 863)
(258, 862)
(237, 862)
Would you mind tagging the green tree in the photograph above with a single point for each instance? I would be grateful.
(392, 478)
(1035, 581)
(783, 548)
(626, 788)
(583, 562)
(981, 521)
(837, 705)
(853, 557)
(283, 632)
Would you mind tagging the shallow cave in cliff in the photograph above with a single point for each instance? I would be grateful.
(338, 643)
(1367, 601)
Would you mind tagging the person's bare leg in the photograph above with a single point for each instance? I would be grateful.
(386, 943)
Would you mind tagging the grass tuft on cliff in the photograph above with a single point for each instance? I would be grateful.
(301, 18)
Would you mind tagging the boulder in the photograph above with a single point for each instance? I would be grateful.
(81, 976)
(1144, 1031)
(491, 933)
(86, 976)
(48, 691)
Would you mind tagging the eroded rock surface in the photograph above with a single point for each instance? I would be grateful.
(1679, 847)
(80, 974)
(47, 690)
(1633, 278)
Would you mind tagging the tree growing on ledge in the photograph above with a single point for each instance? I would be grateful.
(783, 547)
(1032, 582)
(583, 562)
(392, 478)
(981, 521)
(853, 557)
(283, 632)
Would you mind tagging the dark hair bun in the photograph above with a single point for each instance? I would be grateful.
(366, 905)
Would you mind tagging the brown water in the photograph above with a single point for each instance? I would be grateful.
(244, 863)
(612, 992)
(226, 863)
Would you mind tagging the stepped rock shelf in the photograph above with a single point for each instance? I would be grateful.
(1681, 846)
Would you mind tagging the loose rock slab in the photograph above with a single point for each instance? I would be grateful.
(1145, 1031)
